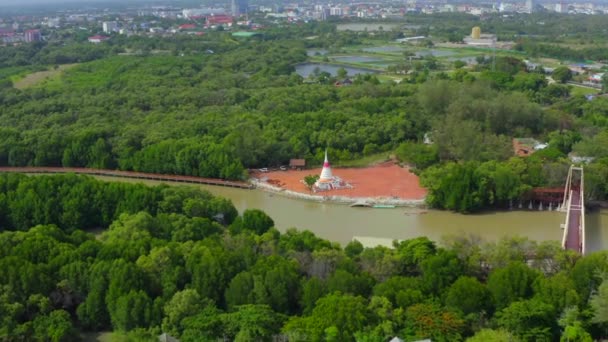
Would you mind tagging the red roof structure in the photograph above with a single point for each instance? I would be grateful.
(219, 19)
(98, 38)
(187, 27)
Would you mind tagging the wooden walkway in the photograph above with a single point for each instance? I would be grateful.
(130, 174)
(574, 205)
(574, 225)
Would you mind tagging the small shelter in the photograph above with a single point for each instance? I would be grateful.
(524, 147)
(343, 83)
(298, 164)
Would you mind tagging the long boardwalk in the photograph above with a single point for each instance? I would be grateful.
(129, 174)
(574, 204)
(573, 234)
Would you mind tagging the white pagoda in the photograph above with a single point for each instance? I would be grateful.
(327, 181)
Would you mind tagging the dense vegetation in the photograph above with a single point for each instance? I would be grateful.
(214, 107)
(180, 261)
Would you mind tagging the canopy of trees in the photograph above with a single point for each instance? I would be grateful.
(214, 107)
(165, 263)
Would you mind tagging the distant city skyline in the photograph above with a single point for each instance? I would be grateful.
(15, 3)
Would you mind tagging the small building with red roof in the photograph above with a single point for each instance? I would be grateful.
(219, 20)
(98, 39)
(187, 27)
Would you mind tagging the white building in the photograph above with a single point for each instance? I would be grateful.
(336, 11)
(201, 12)
(109, 26)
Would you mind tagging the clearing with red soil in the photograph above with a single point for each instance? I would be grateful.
(382, 180)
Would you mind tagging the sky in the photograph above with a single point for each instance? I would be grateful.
(16, 2)
(50, 2)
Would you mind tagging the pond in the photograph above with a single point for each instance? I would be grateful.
(468, 60)
(305, 69)
(367, 27)
(435, 53)
(357, 59)
(316, 52)
(419, 53)
(386, 48)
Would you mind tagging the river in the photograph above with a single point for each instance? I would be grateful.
(341, 223)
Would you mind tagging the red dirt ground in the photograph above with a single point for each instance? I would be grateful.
(383, 180)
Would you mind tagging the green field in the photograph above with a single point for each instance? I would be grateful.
(366, 161)
(36, 78)
(577, 90)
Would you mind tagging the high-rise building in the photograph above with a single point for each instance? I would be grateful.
(109, 26)
(476, 32)
(239, 7)
(530, 6)
(32, 36)
(336, 11)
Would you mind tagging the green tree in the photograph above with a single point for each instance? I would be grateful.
(562, 74)
(256, 221)
(586, 274)
(310, 180)
(353, 249)
(401, 291)
(530, 320)
(557, 290)
(487, 335)
(183, 304)
(468, 295)
(570, 321)
(252, 323)
(605, 82)
(431, 321)
(419, 155)
(55, 327)
(239, 291)
(511, 283)
(347, 313)
(312, 290)
(599, 303)
(440, 271)
(131, 311)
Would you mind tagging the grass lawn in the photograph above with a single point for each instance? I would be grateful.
(576, 90)
(36, 78)
(365, 161)
(393, 78)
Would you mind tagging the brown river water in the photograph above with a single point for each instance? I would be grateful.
(342, 223)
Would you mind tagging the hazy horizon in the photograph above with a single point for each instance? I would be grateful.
(51, 2)
(15, 3)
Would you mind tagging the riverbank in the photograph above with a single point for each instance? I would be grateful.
(335, 198)
(341, 223)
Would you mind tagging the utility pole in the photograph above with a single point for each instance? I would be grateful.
(494, 53)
